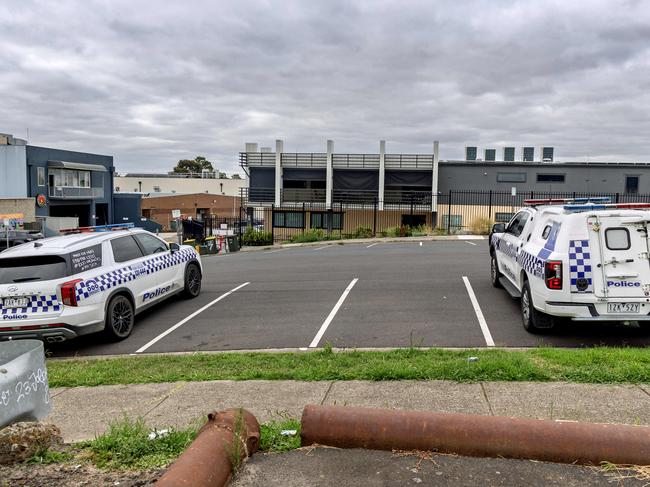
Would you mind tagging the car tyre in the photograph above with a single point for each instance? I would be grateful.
(192, 281)
(120, 317)
(494, 272)
(534, 321)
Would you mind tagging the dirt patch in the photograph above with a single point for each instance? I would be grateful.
(72, 475)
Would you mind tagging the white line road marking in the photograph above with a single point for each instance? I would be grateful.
(188, 318)
(274, 251)
(330, 317)
(479, 314)
(372, 245)
(467, 241)
(321, 248)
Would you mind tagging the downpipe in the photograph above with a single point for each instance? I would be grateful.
(221, 445)
(473, 435)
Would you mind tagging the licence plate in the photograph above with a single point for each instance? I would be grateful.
(21, 302)
(626, 308)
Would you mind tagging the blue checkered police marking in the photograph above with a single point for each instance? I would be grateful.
(106, 281)
(37, 304)
(532, 264)
(580, 265)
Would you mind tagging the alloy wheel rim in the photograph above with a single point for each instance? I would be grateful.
(525, 307)
(122, 318)
(193, 281)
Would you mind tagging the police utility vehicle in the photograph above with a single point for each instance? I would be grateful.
(95, 280)
(582, 259)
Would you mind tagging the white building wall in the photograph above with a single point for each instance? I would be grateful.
(13, 171)
(227, 187)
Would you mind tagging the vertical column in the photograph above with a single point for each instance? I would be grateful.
(279, 148)
(329, 184)
(382, 172)
(434, 182)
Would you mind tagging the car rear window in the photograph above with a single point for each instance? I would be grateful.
(32, 268)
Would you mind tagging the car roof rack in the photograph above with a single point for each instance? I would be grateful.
(611, 206)
(98, 228)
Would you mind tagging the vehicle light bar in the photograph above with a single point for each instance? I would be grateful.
(612, 206)
(557, 201)
(99, 228)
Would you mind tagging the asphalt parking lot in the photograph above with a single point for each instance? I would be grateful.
(353, 295)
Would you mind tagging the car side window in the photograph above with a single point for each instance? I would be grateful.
(517, 224)
(125, 249)
(150, 244)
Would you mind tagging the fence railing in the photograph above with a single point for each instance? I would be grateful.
(362, 213)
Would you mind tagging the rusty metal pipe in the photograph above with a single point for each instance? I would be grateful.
(228, 436)
(472, 435)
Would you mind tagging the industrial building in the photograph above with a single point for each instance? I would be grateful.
(49, 183)
(178, 183)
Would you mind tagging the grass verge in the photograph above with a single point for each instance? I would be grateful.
(592, 365)
(127, 445)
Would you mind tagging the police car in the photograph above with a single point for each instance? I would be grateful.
(63, 287)
(583, 259)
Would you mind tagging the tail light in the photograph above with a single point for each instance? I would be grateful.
(69, 292)
(553, 274)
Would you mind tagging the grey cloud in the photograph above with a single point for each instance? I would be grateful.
(151, 82)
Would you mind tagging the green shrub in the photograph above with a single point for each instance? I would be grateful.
(362, 232)
(480, 225)
(312, 235)
(256, 238)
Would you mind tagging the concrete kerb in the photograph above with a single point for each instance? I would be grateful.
(350, 241)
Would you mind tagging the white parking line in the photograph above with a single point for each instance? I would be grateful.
(372, 245)
(479, 314)
(188, 318)
(467, 241)
(330, 317)
(321, 248)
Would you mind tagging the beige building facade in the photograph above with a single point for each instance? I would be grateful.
(178, 184)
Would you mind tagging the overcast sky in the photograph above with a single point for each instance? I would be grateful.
(151, 82)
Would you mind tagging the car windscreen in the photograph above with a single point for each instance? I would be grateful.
(32, 268)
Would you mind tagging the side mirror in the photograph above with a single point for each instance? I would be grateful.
(498, 228)
(174, 247)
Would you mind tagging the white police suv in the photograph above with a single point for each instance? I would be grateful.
(583, 259)
(63, 287)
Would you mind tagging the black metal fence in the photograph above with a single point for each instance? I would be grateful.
(362, 214)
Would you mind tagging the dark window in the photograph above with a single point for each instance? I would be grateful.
(550, 178)
(632, 184)
(547, 154)
(511, 177)
(125, 248)
(528, 154)
(546, 232)
(490, 154)
(33, 268)
(502, 217)
(418, 220)
(452, 221)
(471, 153)
(517, 224)
(321, 220)
(617, 238)
(509, 154)
(40, 171)
(150, 244)
(288, 219)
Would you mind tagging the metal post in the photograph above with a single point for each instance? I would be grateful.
(490, 206)
(374, 222)
(272, 222)
(304, 218)
(449, 213)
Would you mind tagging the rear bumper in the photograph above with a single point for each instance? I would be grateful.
(595, 311)
(50, 334)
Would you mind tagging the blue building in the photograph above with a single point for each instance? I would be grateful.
(62, 183)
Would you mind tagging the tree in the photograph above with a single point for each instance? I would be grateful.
(223, 175)
(236, 176)
(197, 165)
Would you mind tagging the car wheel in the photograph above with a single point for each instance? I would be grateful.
(192, 281)
(534, 321)
(494, 272)
(120, 317)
